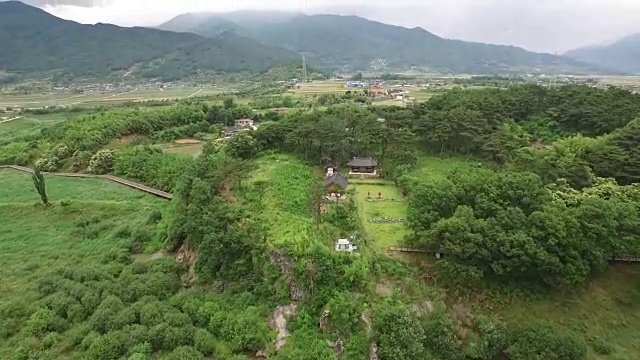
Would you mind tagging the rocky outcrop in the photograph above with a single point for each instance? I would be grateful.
(373, 352)
(278, 321)
(187, 257)
(287, 267)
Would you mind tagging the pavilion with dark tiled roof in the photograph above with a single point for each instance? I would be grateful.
(363, 166)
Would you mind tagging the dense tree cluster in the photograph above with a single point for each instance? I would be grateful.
(511, 227)
(342, 132)
(401, 334)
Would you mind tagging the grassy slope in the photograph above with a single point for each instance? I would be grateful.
(286, 199)
(35, 240)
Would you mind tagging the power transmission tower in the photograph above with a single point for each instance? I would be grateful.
(555, 72)
(304, 69)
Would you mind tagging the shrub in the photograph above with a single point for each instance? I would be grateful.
(102, 162)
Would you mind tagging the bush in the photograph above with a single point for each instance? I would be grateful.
(102, 162)
(48, 164)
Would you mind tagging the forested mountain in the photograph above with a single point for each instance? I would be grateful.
(34, 41)
(622, 55)
(204, 24)
(353, 43)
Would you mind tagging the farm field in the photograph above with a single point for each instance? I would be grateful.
(97, 99)
(318, 88)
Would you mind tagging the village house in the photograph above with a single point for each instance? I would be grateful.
(244, 123)
(363, 166)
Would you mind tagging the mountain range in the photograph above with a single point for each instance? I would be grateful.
(623, 54)
(32, 40)
(35, 41)
(352, 43)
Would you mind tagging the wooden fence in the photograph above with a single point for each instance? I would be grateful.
(131, 184)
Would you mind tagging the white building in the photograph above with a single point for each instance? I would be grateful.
(345, 245)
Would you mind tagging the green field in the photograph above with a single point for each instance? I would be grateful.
(28, 125)
(187, 149)
(16, 187)
(97, 98)
(65, 244)
(607, 313)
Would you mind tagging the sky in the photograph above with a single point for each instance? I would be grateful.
(538, 25)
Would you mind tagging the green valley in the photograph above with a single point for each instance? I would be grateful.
(528, 195)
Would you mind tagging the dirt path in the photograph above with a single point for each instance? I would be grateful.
(195, 93)
(131, 184)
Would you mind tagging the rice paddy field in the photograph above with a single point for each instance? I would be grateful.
(90, 99)
(318, 88)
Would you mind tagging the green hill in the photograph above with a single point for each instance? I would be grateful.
(621, 55)
(353, 43)
(35, 41)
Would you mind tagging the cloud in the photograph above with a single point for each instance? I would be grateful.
(540, 25)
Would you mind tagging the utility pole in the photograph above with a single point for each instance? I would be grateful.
(304, 69)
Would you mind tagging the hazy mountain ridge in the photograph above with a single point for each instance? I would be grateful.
(623, 54)
(353, 43)
(35, 41)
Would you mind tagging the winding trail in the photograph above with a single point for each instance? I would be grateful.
(131, 184)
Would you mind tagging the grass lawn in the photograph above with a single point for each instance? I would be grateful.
(435, 167)
(380, 235)
(16, 187)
